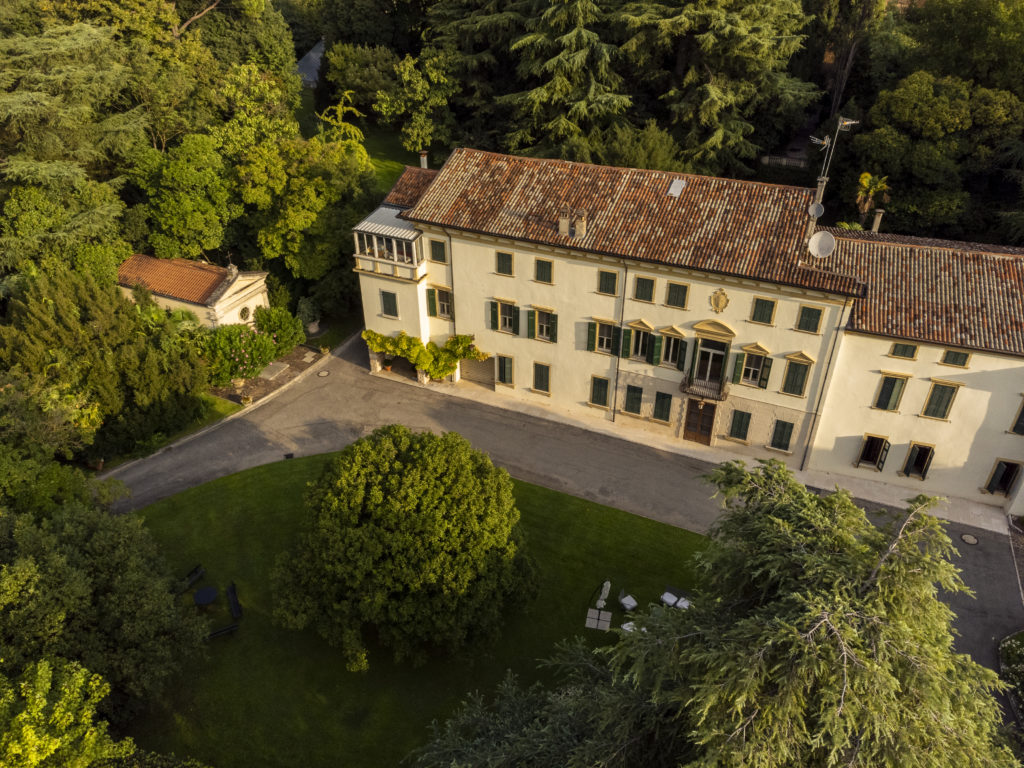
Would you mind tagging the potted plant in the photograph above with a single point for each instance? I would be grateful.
(308, 311)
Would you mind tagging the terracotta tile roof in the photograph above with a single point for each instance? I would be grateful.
(410, 186)
(183, 279)
(926, 242)
(955, 297)
(715, 225)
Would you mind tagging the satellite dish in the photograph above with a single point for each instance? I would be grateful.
(821, 244)
(815, 210)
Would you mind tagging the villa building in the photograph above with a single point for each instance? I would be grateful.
(691, 307)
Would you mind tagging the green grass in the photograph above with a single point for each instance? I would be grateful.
(336, 330)
(306, 114)
(270, 697)
(388, 155)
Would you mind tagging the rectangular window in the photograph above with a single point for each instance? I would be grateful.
(908, 351)
(1018, 425)
(546, 325)
(781, 435)
(504, 370)
(605, 341)
(809, 319)
(634, 396)
(608, 282)
(796, 378)
(662, 406)
(890, 392)
(599, 391)
(763, 312)
(403, 251)
(508, 317)
(643, 289)
(437, 251)
(670, 349)
(444, 303)
(1003, 478)
(542, 377)
(641, 343)
(752, 367)
(389, 303)
(940, 399)
(676, 295)
(918, 460)
(542, 269)
(952, 357)
(740, 425)
(503, 263)
(873, 452)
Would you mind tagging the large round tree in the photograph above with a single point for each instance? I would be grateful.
(412, 538)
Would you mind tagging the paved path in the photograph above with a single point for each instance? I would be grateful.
(316, 413)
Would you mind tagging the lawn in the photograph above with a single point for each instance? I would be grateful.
(270, 697)
(388, 155)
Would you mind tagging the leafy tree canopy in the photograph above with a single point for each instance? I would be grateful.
(412, 537)
(815, 639)
(48, 719)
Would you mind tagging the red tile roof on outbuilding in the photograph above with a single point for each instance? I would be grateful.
(410, 186)
(958, 298)
(740, 228)
(925, 242)
(183, 279)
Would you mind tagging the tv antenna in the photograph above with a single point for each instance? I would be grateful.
(828, 146)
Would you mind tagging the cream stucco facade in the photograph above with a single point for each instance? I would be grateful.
(751, 368)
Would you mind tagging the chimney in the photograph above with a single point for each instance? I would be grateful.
(563, 221)
(580, 224)
(423, 158)
(878, 219)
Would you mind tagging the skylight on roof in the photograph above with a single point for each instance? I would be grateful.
(676, 187)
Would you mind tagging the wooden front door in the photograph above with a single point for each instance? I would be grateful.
(700, 420)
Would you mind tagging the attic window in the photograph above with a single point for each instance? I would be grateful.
(676, 187)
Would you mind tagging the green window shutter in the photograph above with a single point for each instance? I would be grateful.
(927, 462)
(882, 455)
(693, 360)
(541, 377)
(681, 361)
(766, 370)
(634, 397)
(996, 478)
(627, 338)
(494, 315)
(516, 312)
(939, 401)
(431, 302)
(654, 350)
(662, 406)
(616, 338)
(553, 325)
(911, 459)
(796, 378)
(591, 337)
(782, 434)
(809, 319)
(737, 367)
(740, 425)
(599, 391)
(890, 393)
(1018, 425)
(531, 324)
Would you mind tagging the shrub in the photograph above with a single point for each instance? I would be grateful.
(283, 329)
(237, 351)
(411, 537)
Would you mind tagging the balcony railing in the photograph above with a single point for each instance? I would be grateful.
(381, 264)
(711, 390)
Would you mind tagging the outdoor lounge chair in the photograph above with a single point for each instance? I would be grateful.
(627, 601)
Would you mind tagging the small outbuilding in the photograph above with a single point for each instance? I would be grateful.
(216, 295)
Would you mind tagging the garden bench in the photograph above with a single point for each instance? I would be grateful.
(229, 629)
(193, 576)
(236, 607)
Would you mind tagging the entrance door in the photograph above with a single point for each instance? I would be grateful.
(700, 420)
